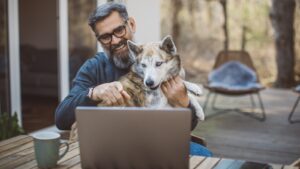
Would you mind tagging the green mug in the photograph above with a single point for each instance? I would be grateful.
(46, 147)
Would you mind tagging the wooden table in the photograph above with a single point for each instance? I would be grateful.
(18, 153)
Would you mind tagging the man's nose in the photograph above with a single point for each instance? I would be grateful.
(115, 40)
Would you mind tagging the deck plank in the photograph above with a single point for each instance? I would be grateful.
(224, 164)
(296, 163)
(71, 154)
(9, 141)
(195, 161)
(15, 150)
(77, 166)
(27, 156)
(19, 158)
(69, 163)
(276, 166)
(208, 163)
(32, 163)
(14, 144)
(289, 167)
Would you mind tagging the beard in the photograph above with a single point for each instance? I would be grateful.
(120, 57)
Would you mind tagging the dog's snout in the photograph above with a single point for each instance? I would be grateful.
(149, 82)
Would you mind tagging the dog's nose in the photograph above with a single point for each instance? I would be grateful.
(149, 82)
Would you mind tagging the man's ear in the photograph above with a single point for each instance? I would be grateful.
(131, 23)
(168, 45)
(134, 48)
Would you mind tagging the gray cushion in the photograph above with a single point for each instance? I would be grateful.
(233, 75)
(297, 88)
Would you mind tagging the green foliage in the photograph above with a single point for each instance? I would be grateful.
(9, 126)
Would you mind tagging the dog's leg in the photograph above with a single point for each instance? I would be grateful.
(198, 108)
(193, 88)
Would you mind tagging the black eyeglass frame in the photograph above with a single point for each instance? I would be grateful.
(123, 26)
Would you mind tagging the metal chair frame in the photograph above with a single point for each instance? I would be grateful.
(290, 119)
(243, 57)
(251, 114)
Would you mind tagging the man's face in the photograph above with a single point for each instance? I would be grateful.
(117, 48)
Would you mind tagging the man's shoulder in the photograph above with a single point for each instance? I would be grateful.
(98, 59)
(95, 61)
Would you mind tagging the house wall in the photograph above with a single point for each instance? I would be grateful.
(38, 25)
(147, 16)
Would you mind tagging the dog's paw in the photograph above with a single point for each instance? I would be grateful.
(200, 114)
(194, 88)
(197, 90)
(199, 111)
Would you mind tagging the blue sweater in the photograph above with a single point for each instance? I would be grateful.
(95, 71)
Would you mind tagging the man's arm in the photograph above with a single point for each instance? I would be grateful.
(78, 96)
(177, 96)
(194, 116)
(107, 93)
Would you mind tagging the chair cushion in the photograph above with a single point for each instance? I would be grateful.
(297, 89)
(233, 75)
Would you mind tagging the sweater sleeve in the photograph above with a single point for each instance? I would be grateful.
(194, 116)
(65, 112)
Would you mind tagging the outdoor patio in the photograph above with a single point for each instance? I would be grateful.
(233, 135)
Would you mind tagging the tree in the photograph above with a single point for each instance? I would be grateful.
(176, 6)
(225, 26)
(282, 18)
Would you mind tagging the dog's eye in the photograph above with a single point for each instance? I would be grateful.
(158, 64)
(144, 65)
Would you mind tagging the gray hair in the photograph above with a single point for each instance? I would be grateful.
(103, 11)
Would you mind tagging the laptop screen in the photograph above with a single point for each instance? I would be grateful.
(115, 137)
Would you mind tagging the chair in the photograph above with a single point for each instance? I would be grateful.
(235, 75)
(291, 120)
(296, 164)
(198, 140)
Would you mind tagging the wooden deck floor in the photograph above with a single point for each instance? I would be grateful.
(234, 135)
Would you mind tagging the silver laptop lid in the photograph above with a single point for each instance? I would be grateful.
(127, 138)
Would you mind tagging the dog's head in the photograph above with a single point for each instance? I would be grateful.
(155, 62)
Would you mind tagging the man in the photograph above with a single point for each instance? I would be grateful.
(97, 79)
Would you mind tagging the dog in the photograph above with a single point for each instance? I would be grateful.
(153, 64)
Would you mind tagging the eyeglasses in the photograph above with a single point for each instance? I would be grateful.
(118, 32)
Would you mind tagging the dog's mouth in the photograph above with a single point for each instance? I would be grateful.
(154, 88)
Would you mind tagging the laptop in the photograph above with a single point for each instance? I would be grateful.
(134, 138)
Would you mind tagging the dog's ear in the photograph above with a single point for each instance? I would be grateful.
(168, 45)
(134, 48)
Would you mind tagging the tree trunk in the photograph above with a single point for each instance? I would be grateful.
(225, 26)
(176, 6)
(297, 40)
(282, 18)
(192, 4)
(244, 40)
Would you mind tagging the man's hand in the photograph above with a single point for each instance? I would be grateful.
(176, 92)
(110, 94)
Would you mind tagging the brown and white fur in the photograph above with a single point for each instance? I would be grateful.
(153, 64)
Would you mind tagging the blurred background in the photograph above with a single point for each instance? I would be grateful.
(201, 34)
(40, 53)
